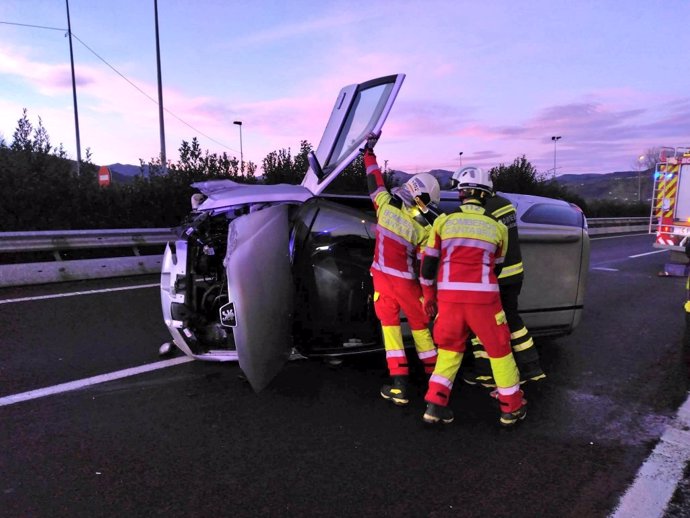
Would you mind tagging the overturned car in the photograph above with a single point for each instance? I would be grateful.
(261, 271)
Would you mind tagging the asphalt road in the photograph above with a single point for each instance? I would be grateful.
(195, 440)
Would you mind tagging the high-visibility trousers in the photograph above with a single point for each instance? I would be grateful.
(454, 323)
(391, 295)
(524, 350)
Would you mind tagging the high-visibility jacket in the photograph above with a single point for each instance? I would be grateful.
(462, 251)
(399, 237)
(502, 210)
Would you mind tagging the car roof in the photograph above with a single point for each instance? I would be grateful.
(522, 202)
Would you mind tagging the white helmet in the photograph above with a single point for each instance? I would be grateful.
(424, 189)
(473, 178)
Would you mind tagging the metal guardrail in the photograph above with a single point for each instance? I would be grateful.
(599, 226)
(65, 244)
(121, 248)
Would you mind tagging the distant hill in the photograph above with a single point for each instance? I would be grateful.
(443, 177)
(621, 185)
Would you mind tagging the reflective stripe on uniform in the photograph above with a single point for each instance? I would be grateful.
(427, 354)
(509, 271)
(502, 211)
(518, 333)
(465, 241)
(395, 353)
(467, 286)
(507, 391)
(394, 272)
(435, 378)
(523, 346)
(432, 252)
(480, 353)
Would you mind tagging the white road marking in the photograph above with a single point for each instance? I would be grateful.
(647, 253)
(102, 378)
(606, 269)
(75, 293)
(657, 478)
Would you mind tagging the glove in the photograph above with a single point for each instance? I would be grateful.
(430, 308)
(371, 141)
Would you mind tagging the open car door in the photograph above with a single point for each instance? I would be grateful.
(260, 285)
(359, 110)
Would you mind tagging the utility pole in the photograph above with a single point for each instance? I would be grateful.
(239, 123)
(555, 139)
(164, 160)
(74, 88)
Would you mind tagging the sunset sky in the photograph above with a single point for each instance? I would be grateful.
(493, 80)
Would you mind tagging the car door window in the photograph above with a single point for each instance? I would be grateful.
(359, 110)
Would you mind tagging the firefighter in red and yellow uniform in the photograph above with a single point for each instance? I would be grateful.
(463, 252)
(401, 231)
(510, 285)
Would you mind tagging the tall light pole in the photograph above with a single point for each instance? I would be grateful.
(239, 123)
(555, 139)
(640, 161)
(74, 88)
(164, 161)
(460, 157)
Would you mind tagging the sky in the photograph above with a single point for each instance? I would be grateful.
(486, 82)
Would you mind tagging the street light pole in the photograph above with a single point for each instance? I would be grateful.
(239, 123)
(640, 160)
(460, 157)
(555, 139)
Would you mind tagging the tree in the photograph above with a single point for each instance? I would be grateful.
(353, 179)
(647, 160)
(39, 188)
(521, 177)
(280, 167)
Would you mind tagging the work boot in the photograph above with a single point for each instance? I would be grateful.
(513, 408)
(397, 391)
(435, 413)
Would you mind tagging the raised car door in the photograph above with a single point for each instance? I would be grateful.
(359, 110)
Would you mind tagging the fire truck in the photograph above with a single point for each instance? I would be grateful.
(670, 210)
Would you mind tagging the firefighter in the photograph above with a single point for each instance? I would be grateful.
(465, 249)
(401, 230)
(510, 285)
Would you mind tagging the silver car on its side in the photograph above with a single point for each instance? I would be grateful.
(260, 272)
